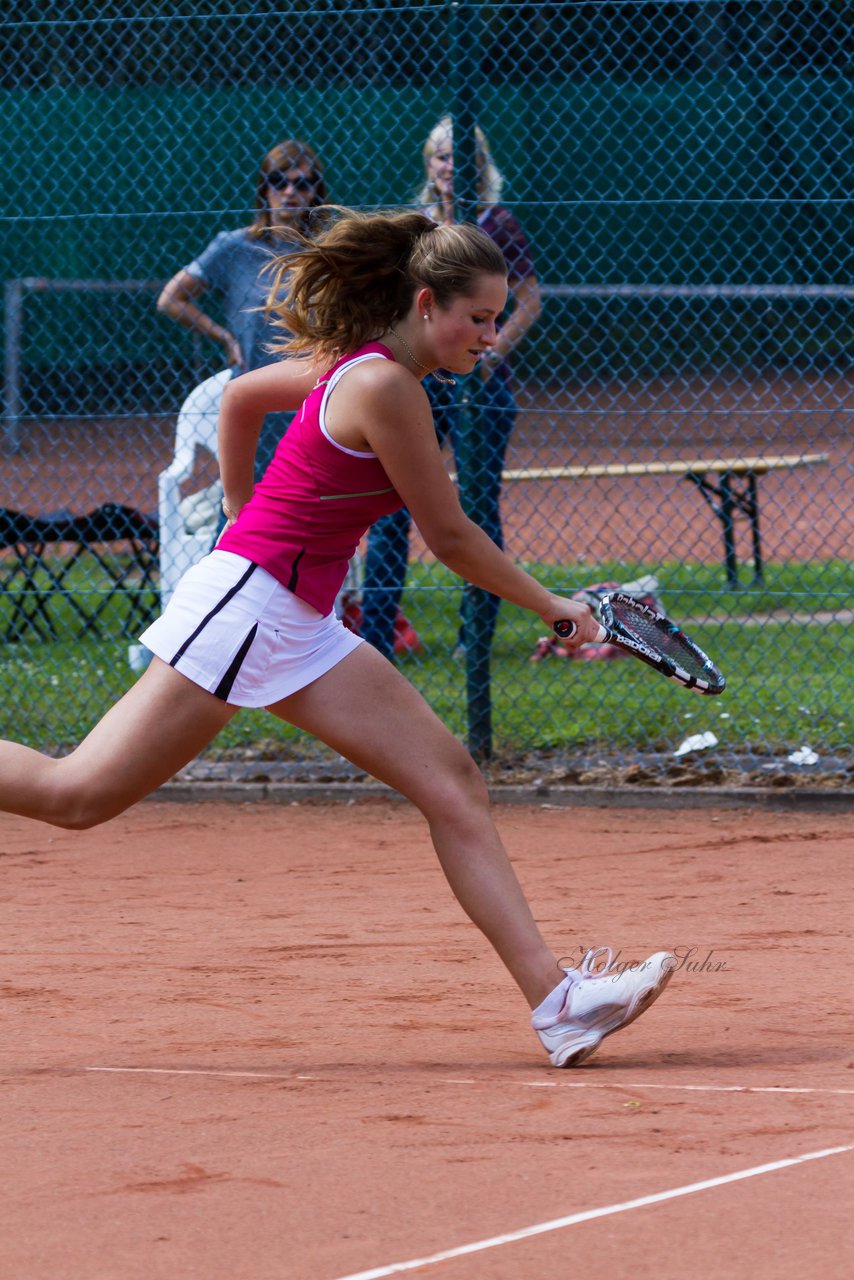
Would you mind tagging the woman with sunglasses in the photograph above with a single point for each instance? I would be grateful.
(290, 184)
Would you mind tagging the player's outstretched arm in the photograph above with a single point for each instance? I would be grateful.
(395, 418)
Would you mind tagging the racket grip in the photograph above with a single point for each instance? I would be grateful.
(567, 629)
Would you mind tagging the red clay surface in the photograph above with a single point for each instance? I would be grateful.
(320, 1068)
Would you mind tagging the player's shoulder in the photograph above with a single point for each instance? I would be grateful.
(374, 370)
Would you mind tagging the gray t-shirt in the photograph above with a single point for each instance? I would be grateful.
(232, 266)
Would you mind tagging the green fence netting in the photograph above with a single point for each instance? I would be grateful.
(677, 414)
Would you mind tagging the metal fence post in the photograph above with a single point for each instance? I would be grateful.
(13, 301)
(470, 434)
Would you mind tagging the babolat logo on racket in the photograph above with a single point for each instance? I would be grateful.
(638, 606)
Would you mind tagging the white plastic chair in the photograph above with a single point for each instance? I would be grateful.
(184, 536)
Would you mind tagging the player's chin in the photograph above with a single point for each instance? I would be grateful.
(461, 364)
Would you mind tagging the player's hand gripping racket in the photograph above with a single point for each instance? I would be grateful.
(654, 639)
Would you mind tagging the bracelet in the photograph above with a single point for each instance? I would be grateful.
(227, 511)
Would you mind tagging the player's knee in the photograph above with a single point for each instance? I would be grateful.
(73, 805)
(462, 791)
(474, 785)
(75, 814)
(79, 818)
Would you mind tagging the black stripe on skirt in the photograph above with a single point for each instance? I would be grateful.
(224, 687)
(214, 611)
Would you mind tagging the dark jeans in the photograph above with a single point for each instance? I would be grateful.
(388, 541)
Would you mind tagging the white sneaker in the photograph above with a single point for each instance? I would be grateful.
(596, 999)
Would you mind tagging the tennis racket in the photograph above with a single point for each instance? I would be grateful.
(648, 635)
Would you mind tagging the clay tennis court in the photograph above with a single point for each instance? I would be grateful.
(260, 1041)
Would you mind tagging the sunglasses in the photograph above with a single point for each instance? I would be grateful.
(279, 181)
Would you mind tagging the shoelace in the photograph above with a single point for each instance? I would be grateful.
(589, 968)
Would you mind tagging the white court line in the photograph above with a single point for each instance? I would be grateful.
(643, 1084)
(525, 1084)
(178, 1071)
(571, 1220)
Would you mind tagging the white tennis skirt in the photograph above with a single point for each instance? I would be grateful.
(234, 630)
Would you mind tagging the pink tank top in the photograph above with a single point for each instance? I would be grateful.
(317, 499)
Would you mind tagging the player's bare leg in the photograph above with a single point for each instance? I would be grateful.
(159, 725)
(366, 710)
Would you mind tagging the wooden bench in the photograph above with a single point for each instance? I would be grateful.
(717, 480)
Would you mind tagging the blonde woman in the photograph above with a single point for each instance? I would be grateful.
(388, 544)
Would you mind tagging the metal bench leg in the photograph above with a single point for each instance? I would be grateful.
(727, 515)
(30, 563)
(753, 514)
(725, 512)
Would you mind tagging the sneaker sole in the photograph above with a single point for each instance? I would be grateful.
(575, 1054)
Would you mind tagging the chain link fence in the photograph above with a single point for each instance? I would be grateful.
(672, 186)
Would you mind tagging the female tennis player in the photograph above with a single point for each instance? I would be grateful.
(373, 304)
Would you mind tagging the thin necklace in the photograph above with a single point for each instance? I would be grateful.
(440, 377)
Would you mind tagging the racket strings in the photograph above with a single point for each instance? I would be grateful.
(662, 637)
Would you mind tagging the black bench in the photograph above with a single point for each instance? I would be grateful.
(30, 577)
